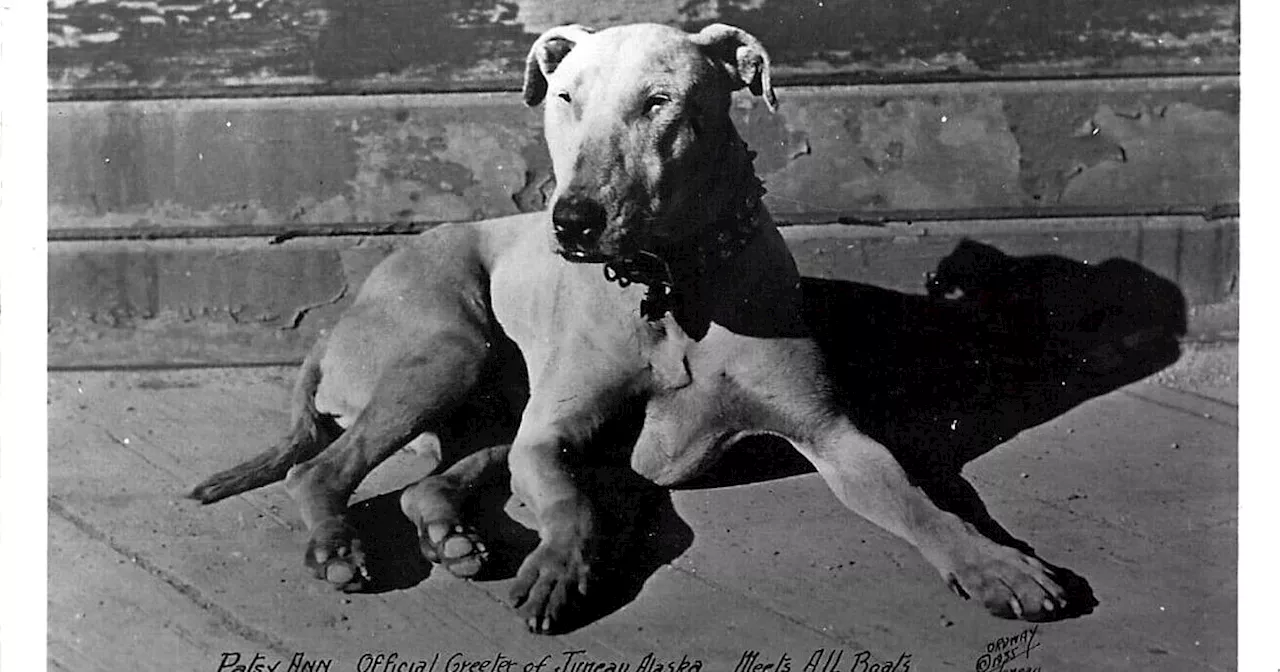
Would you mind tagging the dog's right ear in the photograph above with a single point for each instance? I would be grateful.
(743, 58)
(545, 56)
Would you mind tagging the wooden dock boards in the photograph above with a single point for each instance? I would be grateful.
(143, 578)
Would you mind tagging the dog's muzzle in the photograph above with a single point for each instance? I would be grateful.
(578, 224)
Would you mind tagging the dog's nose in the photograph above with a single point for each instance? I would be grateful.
(577, 221)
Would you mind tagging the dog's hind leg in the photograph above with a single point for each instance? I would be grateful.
(480, 432)
(436, 503)
(416, 392)
(310, 433)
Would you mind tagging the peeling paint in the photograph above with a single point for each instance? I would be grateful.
(775, 142)
(1217, 37)
(899, 154)
(426, 171)
(539, 15)
(1177, 154)
(495, 157)
(263, 163)
(362, 45)
(1057, 141)
(374, 159)
(1063, 137)
(398, 176)
(301, 312)
(139, 283)
(536, 193)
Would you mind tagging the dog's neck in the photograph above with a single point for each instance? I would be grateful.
(670, 273)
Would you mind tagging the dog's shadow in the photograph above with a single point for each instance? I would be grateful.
(998, 344)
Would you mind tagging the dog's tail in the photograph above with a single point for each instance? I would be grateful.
(310, 434)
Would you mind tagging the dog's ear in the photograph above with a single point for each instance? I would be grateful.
(544, 57)
(742, 56)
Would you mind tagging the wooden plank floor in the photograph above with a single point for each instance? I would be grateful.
(1135, 491)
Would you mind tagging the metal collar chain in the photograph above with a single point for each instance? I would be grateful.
(718, 243)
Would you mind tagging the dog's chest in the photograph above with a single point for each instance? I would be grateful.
(680, 365)
(666, 347)
(561, 314)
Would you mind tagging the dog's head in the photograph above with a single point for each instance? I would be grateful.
(637, 123)
(971, 268)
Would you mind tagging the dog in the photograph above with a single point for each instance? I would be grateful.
(657, 284)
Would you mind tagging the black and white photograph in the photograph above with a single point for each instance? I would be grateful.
(648, 336)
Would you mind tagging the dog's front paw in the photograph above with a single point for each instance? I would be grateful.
(1009, 583)
(454, 546)
(551, 580)
(335, 555)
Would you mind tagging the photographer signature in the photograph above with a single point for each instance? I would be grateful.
(1009, 654)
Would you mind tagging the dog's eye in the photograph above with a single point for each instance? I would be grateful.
(652, 103)
(564, 95)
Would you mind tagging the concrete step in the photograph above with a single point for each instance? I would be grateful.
(203, 301)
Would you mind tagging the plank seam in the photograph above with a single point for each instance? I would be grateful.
(765, 607)
(282, 233)
(55, 665)
(1059, 508)
(369, 88)
(225, 616)
(1178, 409)
(1202, 397)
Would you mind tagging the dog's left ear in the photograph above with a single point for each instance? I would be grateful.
(544, 57)
(742, 56)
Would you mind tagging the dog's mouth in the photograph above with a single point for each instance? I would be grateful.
(625, 266)
(599, 251)
(583, 256)
(617, 239)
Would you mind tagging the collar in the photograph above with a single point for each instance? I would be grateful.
(664, 273)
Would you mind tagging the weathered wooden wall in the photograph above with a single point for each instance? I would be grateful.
(175, 47)
(1117, 145)
(197, 147)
